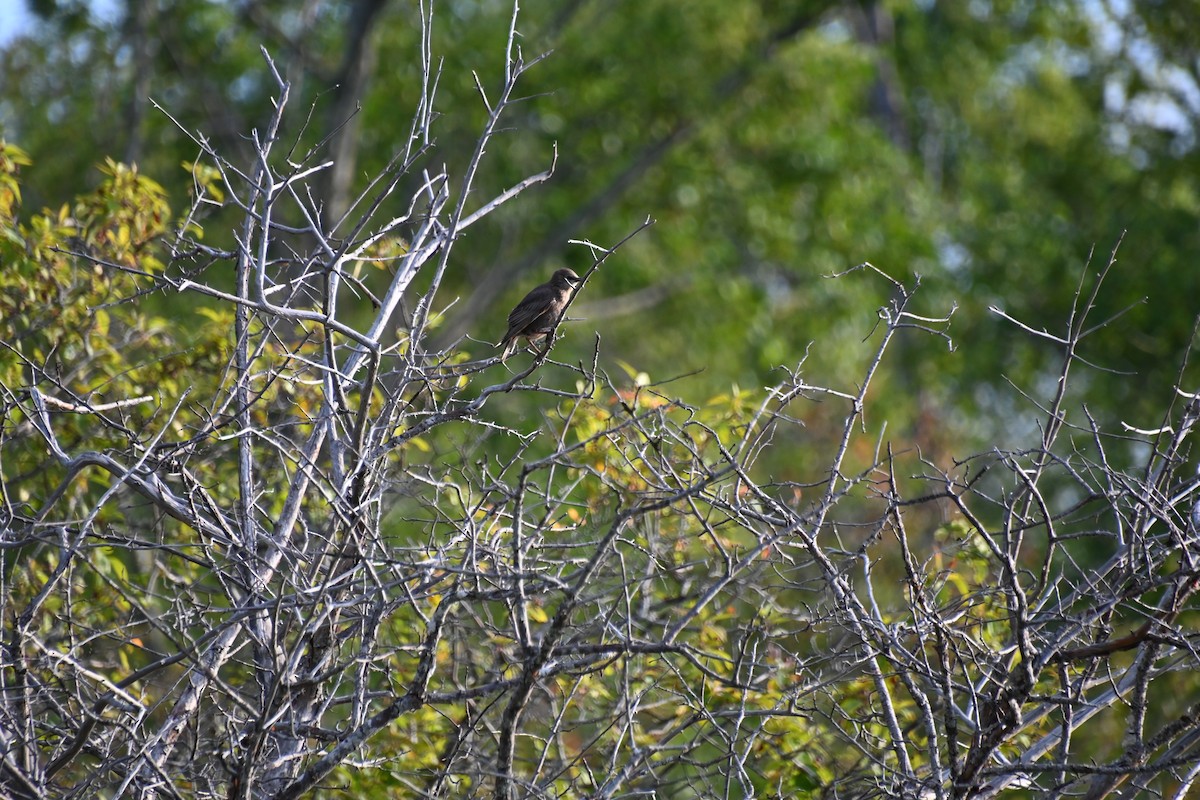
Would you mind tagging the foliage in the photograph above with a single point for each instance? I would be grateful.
(270, 528)
(988, 147)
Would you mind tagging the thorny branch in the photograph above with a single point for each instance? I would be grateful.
(335, 560)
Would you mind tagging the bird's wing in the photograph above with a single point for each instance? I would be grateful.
(529, 310)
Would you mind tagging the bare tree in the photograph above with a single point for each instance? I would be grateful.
(351, 572)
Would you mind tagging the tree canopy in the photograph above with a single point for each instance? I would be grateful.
(988, 147)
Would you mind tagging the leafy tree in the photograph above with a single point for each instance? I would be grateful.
(987, 147)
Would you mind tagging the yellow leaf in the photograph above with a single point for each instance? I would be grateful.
(215, 315)
(101, 317)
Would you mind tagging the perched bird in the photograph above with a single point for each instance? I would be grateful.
(534, 317)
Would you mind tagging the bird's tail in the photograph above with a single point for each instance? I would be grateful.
(510, 346)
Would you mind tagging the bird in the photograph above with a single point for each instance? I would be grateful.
(536, 315)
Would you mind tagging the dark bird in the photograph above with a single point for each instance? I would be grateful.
(535, 316)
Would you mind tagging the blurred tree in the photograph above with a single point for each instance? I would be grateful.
(987, 147)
